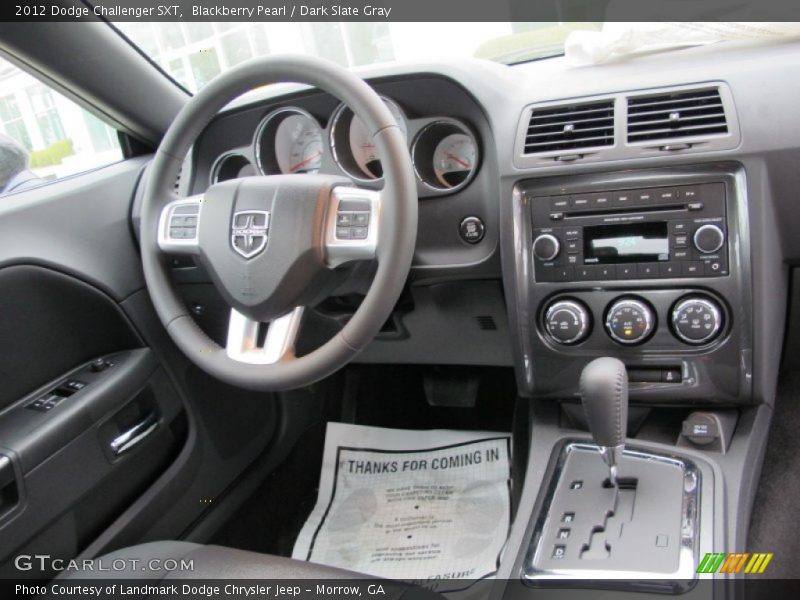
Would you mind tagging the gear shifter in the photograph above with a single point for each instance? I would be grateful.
(604, 393)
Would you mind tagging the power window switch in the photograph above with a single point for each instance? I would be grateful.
(360, 233)
(74, 385)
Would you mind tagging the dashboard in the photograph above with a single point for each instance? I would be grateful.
(627, 209)
(448, 138)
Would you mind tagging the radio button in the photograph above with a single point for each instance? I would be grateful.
(587, 273)
(600, 200)
(708, 238)
(693, 269)
(680, 241)
(680, 255)
(546, 247)
(648, 270)
(572, 246)
(556, 216)
(667, 195)
(644, 196)
(669, 270)
(579, 201)
(606, 272)
(626, 272)
(716, 268)
(564, 274)
(623, 199)
(559, 203)
(572, 234)
(695, 206)
(690, 194)
(679, 226)
(572, 259)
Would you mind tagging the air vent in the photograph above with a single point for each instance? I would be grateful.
(676, 116)
(486, 322)
(570, 127)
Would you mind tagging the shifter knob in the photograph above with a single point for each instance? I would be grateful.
(604, 393)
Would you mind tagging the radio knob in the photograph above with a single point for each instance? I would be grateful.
(567, 321)
(630, 321)
(696, 320)
(708, 239)
(546, 247)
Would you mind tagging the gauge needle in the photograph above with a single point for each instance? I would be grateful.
(304, 162)
(463, 163)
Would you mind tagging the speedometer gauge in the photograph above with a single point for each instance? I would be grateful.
(354, 148)
(454, 159)
(289, 140)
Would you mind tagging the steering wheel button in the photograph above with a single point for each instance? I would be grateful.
(187, 209)
(361, 219)
(359, 233)
(344, 219)
(343, 233)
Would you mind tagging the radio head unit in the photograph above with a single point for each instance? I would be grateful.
(650, 233)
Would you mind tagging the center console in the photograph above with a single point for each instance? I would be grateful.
(650, 267)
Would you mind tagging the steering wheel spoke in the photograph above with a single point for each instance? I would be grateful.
(244, 338)
(351, 230)
(179, 225)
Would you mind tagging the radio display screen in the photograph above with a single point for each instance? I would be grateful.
(628, 243)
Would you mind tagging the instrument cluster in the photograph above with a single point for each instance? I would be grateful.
(444, 151)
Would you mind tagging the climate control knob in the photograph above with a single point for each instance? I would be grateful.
(546, 247)
(630, 321)
(708, 239)
(567, 321)
(697, 320)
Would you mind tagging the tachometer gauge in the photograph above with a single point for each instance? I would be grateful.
(289, 140)
(445, 155)
(354, 148)
(454, 159)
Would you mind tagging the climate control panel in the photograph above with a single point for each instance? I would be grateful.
(689, 319)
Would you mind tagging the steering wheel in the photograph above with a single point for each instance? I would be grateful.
(270, 244)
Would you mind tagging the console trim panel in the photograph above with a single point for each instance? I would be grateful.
(680, 581)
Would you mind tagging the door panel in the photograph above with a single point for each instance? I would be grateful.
(71, 292)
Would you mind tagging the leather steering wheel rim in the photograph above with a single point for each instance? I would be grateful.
(397, 225)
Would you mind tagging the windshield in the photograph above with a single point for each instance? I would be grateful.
(193, 53)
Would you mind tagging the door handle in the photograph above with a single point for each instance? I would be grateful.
(135, 435)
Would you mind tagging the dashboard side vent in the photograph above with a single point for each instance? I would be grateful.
(676, 115)
(486, 322)
(569, 127)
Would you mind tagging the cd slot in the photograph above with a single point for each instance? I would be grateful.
(659, 208)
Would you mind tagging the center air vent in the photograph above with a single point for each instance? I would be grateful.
(677, 115)
(570, 127)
